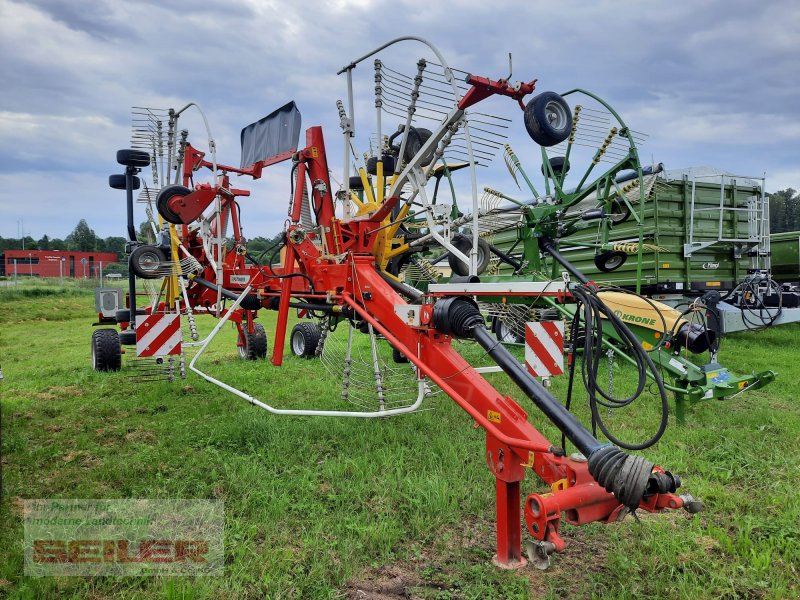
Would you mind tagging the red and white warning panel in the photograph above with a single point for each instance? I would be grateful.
(544, 348)
(159, 335)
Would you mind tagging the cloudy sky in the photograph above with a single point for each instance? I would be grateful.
(712, 83)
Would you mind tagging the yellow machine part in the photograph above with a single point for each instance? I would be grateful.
(648, 314)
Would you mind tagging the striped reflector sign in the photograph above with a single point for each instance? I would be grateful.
(544, 348)
(159, 335)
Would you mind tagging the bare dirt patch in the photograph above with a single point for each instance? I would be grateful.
(393, 582)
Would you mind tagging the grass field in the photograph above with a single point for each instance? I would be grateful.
(394, 508)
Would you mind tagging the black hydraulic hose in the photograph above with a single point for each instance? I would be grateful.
(592, 309)
(629, 478)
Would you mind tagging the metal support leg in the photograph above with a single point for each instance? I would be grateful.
(509, 526)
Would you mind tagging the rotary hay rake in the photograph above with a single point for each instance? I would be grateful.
(332, 268)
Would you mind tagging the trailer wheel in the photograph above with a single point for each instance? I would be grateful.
(127, 337)
(254, 344)
(305, 339)
(464, 244)
(504, 333)
(106, 350)
(119, 182)
(559, 164)
(133, 158)
(398, 357)
(548, 119)
(620, 212)
(148, 262)
(162, 202)
(610, 261)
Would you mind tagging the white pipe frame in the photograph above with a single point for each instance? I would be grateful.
(454, 116)
(295, 412)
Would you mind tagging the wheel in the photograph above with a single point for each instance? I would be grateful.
(356, 184)
(254, 345)
(124, 315)
(398, 356)
(127, 337)
(559, 164)
(620, 212)
(464, 244)
(610, 261)
(119, 182)
(133, 158)
(148, 262)
(305, 339)
(504, 333)
(162, 202)
(416, 138)
(388, 165)
(548, 119)
(106, 350)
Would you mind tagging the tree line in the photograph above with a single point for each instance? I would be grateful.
(784, 211)
(84, 239)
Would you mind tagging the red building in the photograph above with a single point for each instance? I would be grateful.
(55, 263)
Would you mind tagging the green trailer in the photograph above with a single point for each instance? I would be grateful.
(785, 256)
(704, 230)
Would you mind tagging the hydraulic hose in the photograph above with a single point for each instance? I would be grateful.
(592, 310)
(629, 478)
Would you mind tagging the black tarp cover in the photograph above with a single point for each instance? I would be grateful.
(275, 134)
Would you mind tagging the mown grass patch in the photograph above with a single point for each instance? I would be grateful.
(403, 507)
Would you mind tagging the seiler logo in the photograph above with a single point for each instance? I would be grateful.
(119, 551)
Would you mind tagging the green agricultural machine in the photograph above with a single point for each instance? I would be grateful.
(599, 218)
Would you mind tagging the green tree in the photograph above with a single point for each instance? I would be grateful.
(145, 233)
(784, 211)
(82, 238)
(58, 244)
(115, 244)
(44, 243)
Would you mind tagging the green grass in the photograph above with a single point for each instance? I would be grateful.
(322, 508)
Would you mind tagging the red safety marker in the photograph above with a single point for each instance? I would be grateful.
(544, 348)
(159, 335)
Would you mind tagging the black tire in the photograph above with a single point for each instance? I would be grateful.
(133, 158)
(388, 164)
(255, 344)
(416, 138)
(610, 261)
(548, 119)
(464, 244)
(162, 202)
(504, 333)
(620, 212)
(356, 184)
(124, 315)
(148, 262)
(305, 339)
(398, 356)
(118, 182)
(559, 164)
(127, 337)
(106, 350)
